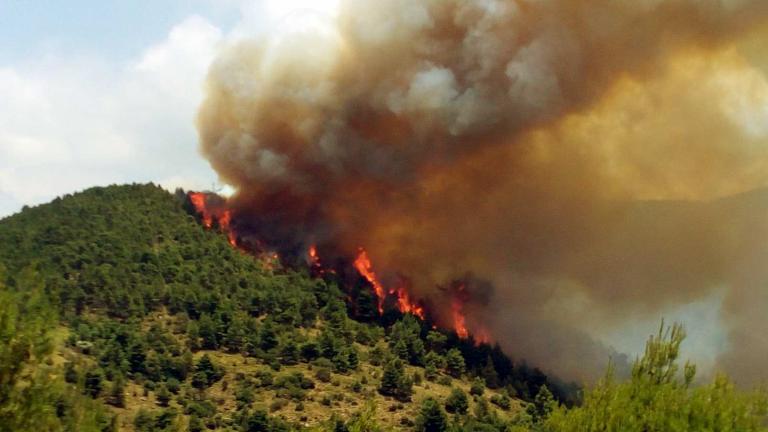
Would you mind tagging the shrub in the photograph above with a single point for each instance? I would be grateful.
(502, 401)
(457, 402)
(478, 387)
(323, 374)
(278, 404)
(265, 378)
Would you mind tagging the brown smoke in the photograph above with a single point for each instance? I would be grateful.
(575, 152)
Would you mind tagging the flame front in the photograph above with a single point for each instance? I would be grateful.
(212, 213)
(364, 267)
(225, 222)
(208, 215)
(459, 322)
(198, 201)
(406, 305)
(314, 259)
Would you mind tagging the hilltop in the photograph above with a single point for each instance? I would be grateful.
(166, 326)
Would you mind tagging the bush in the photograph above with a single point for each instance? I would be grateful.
(478, 387)
(163, 396)
(265, 377)
(93, 383)
(278, 404)
(502, 401)
(356, 387)
(173, 385)
(323, 374)
(457, 402)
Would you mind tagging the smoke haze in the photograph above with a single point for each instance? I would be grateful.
(592, 160)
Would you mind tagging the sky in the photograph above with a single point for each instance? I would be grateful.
(102, 92)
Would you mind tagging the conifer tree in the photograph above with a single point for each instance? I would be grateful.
(431, 417)
(454, 363)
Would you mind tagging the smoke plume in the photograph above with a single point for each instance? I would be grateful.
(590, 158)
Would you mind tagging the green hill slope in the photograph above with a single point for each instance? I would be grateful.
(118, 311)
(175, 330)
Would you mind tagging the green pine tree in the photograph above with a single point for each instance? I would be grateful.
(431, 417)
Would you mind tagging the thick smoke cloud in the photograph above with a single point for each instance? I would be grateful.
(578, 154)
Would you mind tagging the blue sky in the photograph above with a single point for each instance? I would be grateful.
(101, 92)
(111, 29)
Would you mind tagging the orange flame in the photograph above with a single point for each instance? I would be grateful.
(207, 215)
(314, 259)
(482, 336)
(406, 305)
(314, 262)
(459, 322)
(457, 308)
(224, 222)
(198, 200)
(364, 267)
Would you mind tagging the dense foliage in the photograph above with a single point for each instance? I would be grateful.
(112, 260)
(117, 296)
(658, 397)
(32, 395)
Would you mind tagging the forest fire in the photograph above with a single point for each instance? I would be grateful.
(364, 267)
(458, 298)
(405, 304)
(212, 212)
(198, 201)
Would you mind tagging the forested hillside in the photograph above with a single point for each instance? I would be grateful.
(171, 326)
(119, 311)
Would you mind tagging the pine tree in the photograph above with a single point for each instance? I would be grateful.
(543, 405)
(353, 358)
(436, 341)
(431, 417)
(257, 421)
(391, 378)
(267, 336)
(93, 382)
(163, 396)
(394, 382)
(401, 350)
(208, 332)
(206, 373)
(117, 393)
(489, 374)
(289, 353)
(454, 363)
(193, 336)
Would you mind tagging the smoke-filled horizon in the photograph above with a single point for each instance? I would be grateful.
(572, 153)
